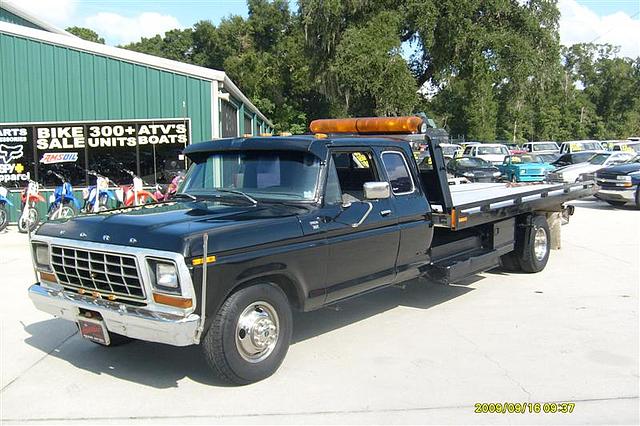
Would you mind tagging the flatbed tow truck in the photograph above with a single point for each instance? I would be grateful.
(263, 226)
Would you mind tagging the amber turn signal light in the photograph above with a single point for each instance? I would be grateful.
(178, 302)
(200, 260)
(46, 276)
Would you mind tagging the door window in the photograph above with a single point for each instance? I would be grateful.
(353, 170)
(398, 172)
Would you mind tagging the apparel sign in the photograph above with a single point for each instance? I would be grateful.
(15, 154)
(24, 147)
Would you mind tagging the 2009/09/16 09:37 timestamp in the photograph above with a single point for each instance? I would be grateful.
(524, 407)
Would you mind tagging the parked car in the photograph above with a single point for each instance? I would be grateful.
(473, 168)
(525, 168)
(549, 157)
(620, 184)
(574, 158)
(451, 149)
(492, 152)
(541, 147)
(577, 146)
(576, 172)
(626, 145)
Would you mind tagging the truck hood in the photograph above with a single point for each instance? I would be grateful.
(179, 226)
(622, 169)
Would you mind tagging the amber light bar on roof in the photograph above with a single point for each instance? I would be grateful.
(369, 125)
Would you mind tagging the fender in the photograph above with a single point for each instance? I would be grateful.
(5, 200)
(35, 198)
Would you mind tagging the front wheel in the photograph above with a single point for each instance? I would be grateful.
(4, 217)
(29, 222)
(250, 335)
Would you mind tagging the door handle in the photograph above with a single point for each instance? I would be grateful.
(385, 212)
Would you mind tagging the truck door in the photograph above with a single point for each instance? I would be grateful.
(362, 235)
(412, 211)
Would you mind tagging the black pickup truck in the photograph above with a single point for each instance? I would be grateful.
(265, 225)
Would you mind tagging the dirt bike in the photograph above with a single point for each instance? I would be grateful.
(96, 196)
(134, 194)
(165, 194)
(4, 201)
(63, 205)
(30, 217)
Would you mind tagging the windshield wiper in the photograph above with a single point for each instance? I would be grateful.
(185, 195)
(242, 194)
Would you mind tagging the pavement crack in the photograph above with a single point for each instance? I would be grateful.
(38, 361)
(495, 362)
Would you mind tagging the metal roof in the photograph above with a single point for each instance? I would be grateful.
(77, 43)
(21, 13)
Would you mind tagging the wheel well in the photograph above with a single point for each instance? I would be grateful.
(286, 284)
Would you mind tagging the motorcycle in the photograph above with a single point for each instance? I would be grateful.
(4, 215)
(63, 205)
(134, 194)
(165, 194)
(30, 217)
(96, 196)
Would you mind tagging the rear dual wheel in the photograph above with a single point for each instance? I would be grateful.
(532, 247)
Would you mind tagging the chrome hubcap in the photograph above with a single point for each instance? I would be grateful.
(540, 243)
(257, 331)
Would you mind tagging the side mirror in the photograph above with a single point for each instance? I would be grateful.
(376, 190)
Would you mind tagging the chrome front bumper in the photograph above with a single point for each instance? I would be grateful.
(135, 322)
(617, 195)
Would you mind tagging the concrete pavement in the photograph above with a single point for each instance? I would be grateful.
(423, 354)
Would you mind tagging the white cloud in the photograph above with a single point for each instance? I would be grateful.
(57, 12)
(118, 29)
(579, 24)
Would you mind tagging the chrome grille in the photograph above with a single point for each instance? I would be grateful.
(106, 273)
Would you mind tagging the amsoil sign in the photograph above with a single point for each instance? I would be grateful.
(27, 147)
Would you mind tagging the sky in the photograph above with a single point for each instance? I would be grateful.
(122, 21)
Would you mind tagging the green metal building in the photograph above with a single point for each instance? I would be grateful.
(50, 78)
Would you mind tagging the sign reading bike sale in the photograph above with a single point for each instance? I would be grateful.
(24, 146)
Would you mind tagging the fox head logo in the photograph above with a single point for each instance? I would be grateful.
(9, 153)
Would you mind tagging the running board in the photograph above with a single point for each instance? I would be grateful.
(452, 270)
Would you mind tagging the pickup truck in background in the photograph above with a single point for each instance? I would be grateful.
(619, 185)
(264, 226)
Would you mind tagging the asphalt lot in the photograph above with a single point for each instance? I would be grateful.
(423, 354)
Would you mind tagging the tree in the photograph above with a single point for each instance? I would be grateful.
(85, 34)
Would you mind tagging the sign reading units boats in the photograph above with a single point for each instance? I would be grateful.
(111, 135)
(29, 150)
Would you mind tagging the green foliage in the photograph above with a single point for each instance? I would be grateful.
(85, 34)
(493, 69)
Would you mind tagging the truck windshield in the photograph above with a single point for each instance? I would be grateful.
(599, 159)
(492, 150)
(545, 147)
(267, 175)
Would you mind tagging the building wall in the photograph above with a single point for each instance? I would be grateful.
(45, 82)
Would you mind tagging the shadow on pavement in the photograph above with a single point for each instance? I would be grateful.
(596, 204)
(162, 366)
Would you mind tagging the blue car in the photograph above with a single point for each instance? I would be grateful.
(525, 168)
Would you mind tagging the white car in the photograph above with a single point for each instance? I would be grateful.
(576, 146)
(626, 145)
(450, 149)
(575, 172)
(491, 152)
(541, 147)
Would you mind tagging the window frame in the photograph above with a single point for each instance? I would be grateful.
(407, 168)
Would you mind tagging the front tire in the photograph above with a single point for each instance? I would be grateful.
(4, 217)
(29, 223)
(250, 334)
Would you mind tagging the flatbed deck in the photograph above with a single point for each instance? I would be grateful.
(477, 203)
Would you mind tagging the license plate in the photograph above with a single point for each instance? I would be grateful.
(94, 330)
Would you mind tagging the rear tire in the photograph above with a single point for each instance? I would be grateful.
(616, 203)
(250, 334)
(533, 245)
